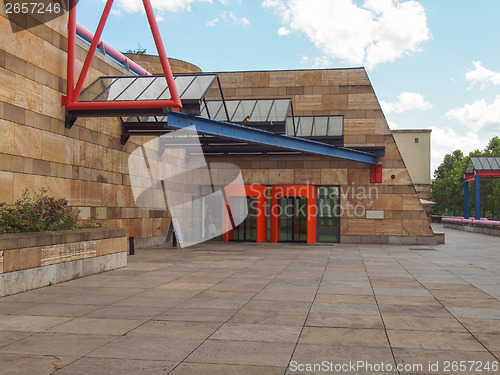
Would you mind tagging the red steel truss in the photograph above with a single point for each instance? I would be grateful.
(73, 92)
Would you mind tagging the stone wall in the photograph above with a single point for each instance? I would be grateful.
(474, 228)
(152, 64)
(85, 164)
(33, 260)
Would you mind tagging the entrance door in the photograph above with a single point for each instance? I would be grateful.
(328, 214)
(247, 230)
(293, 219)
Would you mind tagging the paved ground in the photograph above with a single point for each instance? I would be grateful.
(266, 309)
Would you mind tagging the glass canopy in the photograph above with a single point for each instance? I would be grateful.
(247, 110)
(315, 126)
(190, 87)
(266, 114)
(483, 163)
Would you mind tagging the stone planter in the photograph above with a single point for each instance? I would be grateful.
(34, 260)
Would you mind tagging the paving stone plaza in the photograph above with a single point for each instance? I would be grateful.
(267, 309)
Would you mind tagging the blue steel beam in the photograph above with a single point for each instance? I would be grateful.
(466, 200)
(478, 196)
(243, 133)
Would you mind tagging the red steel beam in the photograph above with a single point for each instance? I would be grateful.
(70, 78)
(92, 49)
(468, 177)
(72, 93)
(125, 104)
(174, 95)
(488, 174)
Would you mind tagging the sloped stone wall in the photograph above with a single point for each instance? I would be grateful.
(34, 260)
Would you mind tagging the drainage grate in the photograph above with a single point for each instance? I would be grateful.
(423, 249)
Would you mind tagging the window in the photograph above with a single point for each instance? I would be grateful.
(416, 140)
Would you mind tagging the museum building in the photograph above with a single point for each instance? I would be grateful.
(317, 157)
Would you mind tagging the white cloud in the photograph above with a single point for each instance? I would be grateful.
(478, 115)
(320, 62)
(228, 17)
(282, 31)
(406, 101)
(481, 75)
(445, 141)
(133, 6)
(378, 31)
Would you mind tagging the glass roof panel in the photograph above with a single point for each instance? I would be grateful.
(135, 89)
(217, 111)
(182, 83)
(203, 111)
(116, 88)
(320, 126)
(336, 126)
(198, 87)
(190, 87)
(280, 109)
(316, 126)
(244, 109)
(259, 110)
(96, 88)
(305, 126)
(262, 109)
(483, 163)
(289, 126)
(496, 163)
(157, 90)
(231, 106)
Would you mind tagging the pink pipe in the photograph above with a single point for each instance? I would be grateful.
(83, 33)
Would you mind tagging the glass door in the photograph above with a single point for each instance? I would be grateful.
(328, 214)
(247, 230)
(293, 219)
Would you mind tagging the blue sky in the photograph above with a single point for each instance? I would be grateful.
(433, 63)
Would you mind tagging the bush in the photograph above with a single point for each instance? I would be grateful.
(41, 213)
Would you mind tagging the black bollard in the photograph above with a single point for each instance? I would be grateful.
(131, 245)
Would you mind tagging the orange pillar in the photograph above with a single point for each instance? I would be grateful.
(261, 214)
(276, 193)
(312, 214)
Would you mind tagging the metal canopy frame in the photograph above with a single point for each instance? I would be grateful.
(269, 141)
(265, 114)
(479, 167)
(272, 112)
(139, 89)
(325, 129)
(73, 107)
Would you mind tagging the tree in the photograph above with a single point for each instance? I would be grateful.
(447, 188)
(138, 51)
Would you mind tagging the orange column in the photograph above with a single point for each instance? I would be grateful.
(275, 193)
(312, 214)
(261, 214)
(226, 224)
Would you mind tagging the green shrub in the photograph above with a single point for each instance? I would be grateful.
(41, 213)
